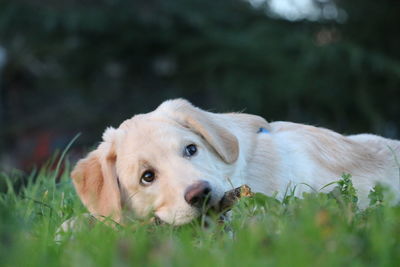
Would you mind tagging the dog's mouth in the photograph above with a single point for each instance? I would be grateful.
(157, 221)
(218, 211)
(204, 216)
(228, 200)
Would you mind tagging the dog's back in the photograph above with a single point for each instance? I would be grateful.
(389, 151)
(317, 156)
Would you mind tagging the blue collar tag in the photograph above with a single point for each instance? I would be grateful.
(263, 130)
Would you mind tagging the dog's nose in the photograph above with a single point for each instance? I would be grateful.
(198, 194)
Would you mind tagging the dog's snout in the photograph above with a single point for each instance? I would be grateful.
(198, 194)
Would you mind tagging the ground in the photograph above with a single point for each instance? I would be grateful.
(317, 230)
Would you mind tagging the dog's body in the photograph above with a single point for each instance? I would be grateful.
(166, 160)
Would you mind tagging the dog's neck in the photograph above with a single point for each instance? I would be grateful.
(256, 154)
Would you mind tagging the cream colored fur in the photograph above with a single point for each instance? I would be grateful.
(231, 153)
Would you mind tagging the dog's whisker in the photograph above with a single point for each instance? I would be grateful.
(133, 194)
(230, 182)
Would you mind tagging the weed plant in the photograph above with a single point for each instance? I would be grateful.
(318, 229)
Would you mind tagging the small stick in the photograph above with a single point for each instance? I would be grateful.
(232, 196)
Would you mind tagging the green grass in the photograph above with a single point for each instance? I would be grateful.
(317, 230)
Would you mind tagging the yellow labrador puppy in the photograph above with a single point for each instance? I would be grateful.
(171, 160)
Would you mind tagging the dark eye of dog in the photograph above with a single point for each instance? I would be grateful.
(190, 150)
(147, 177)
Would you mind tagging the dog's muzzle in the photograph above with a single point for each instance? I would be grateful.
(198, 195)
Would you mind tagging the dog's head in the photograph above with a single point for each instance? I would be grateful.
(172, 161)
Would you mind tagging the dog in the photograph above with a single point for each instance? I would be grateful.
(178, 158)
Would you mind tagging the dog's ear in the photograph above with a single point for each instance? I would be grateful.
(210, 126)
(95, 179)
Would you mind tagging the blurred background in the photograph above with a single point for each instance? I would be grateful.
(69, 66)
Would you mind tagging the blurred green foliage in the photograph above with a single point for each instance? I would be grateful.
(83, 65)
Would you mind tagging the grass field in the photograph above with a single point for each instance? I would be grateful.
(317, 230)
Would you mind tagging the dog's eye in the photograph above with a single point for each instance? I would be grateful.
(147, 177)
(190, 150)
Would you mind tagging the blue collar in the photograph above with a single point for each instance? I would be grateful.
(263, 130)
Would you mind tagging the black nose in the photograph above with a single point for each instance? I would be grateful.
(198, 194)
